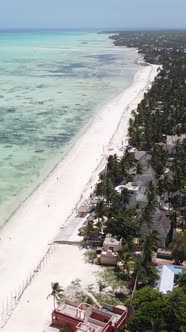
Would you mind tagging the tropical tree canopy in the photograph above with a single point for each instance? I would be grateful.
(148, 305)
(178, 247)
(157, 312)
(122, 225)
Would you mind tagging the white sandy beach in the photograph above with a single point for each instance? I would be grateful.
(26, 237)
(33, 313)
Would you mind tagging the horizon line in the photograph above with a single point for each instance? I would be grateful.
(109, 29)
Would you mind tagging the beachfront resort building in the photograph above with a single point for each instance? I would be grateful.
(136, 190)
(110, 243)
(108, 257)
(84, 318)
(108, 254)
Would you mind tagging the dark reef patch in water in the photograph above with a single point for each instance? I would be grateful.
(39, 151)
(43, 113)
(70, 66)
(39, 102)
(8, 110)
(40, 86)
(102, 57)
(7, 146)
(69, 120)
(56, 140)
(30, 130)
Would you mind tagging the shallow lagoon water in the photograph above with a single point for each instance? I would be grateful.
(51, 85)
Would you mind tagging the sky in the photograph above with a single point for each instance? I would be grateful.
(127, 14)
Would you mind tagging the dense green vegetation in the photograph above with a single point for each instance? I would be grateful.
(157, 312)
(163, 110)
(158, 126)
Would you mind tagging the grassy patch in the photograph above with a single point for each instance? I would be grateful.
(89, 255)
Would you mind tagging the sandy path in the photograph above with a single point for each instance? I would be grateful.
(25, 239)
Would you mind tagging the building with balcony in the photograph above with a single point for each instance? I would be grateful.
(84, 318)
(108, 254)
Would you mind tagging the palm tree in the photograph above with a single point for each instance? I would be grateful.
(164, 185)
(122, 225)
(182, 281)
(150, 243)
(151, 191)
(150, 208)
(175, 309)
(100, 209)
(105, 189)
(89, 229)
(127, 261)
(139, 269)
(125, 197)
(159, 158)
(57, 293)
(147, 214)
(173, 218)
(113, 168)
(157, 326)
(98, 227)
(146, 217)
(126, 162)
(139, 168)
(128, 243)
(129, 159)
(178, 247)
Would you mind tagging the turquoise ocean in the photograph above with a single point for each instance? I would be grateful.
(51, 85)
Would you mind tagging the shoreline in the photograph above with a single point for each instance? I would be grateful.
(62, 158)
(24, 196)
(37, 221)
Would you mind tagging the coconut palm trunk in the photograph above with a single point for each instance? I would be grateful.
(57, 293)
